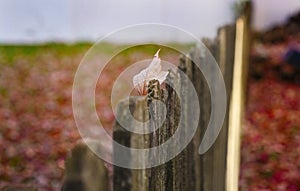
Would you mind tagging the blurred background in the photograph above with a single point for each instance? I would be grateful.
(35, 21)
(43, 41)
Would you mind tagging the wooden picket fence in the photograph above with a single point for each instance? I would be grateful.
(218, 168)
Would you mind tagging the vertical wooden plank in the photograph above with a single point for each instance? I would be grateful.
(237, 103)
(173, 105)
(205, 103)
(140, 112)
(226, 39)
(158, 175)
(187, 168)
(191, 148)
(84, 170)
(128, 179)
(196, 158)
(122, 177)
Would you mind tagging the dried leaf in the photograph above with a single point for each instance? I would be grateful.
(153, 71)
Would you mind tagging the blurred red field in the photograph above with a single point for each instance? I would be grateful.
(271, 135)
(37, 127)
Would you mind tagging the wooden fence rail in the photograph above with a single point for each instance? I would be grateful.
(188, 170)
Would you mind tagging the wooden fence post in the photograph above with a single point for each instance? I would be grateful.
(226, 41)
(160, 175)
(130, 179)
(218, 168)
(189, 170)
(242, 46)
(84, 171)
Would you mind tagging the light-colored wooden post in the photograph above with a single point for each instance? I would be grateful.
(242, 45)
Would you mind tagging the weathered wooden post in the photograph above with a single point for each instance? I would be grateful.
(84, 171)
(141, 108)
(189, 170)
(159, 175)
(218, 168)
(238, 98)
(128, 179)
(226, 41)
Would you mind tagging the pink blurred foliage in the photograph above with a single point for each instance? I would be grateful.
(37, 128)
(271, 133)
